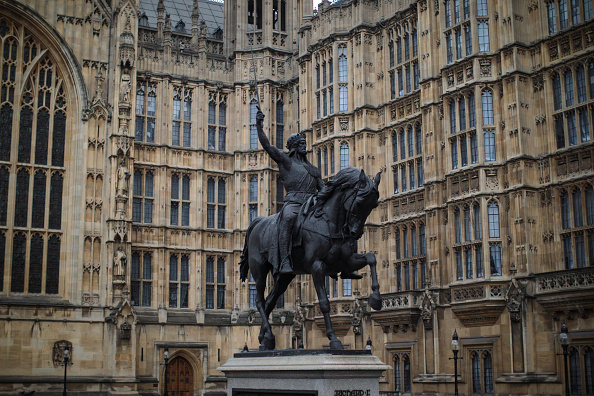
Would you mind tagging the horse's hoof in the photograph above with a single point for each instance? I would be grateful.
(336, 345)
(268, 343)
(375, 301)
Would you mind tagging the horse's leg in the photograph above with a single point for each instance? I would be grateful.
(280, 286)
(317, 272)
(266, 337)
(358, 261)
(375, 299)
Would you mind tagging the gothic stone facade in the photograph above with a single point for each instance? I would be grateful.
(130, 170)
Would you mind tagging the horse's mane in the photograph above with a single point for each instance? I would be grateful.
(346, 178)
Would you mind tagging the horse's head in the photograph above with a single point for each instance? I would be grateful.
(359, 204)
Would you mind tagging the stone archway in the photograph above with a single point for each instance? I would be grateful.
(180, 377)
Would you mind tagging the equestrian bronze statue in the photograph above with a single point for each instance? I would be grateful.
(313, 234)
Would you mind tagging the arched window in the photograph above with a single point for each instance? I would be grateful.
(578, 219)
(552, 18)
(490, 149)
(589, 370)
(142, 204)
(477, 221)
(557, 91)
(452, 117)
(178, 281)
(210, 199)
(406, 47)
(565, 210)
(476, 373)
(413, 233)
(493, 212)
(471, 111)
(398, 248)
(575, 377)
(332, 167)
(462, 113)
(422, 246)
(342, 63)
(483, 35)
(467, 236)
(253, 198)
(488, 364)
(589, 205)
(397, 374)
(344, 155)
(411, 149)
(174, 200)
(419, 139)
(569, 100)
(391, 48)
(487, 97)
(253, 128)
(457, 228)
(406, 373)
(405, 241)
(141, 276)
(4, 177)
(220, 283)
(280, 124)
(254, 14)
(33, 119)
(581, 83)
(222, 200)
(394, 147)
(212, 129)
(278, 15)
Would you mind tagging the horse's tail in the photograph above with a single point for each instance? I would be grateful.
(244, 265)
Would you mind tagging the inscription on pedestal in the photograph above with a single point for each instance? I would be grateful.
(262, 392)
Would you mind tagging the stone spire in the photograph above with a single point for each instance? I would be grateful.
(160, 19)
(195, 25)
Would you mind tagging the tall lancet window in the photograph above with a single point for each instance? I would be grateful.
(33, 125)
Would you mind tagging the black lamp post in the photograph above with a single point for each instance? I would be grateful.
(564, 339)
(66, 359)
(166, 360)
(455, 348)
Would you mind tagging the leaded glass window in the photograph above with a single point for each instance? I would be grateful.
(36, 126)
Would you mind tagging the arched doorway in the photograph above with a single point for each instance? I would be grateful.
(180, 377)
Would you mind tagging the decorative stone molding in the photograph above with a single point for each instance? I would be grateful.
(516, 293)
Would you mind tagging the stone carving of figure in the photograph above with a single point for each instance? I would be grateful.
(202, 28)
(119, 262)
(123, 179)
(125, 88)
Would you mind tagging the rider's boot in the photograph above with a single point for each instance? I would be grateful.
(350, 275)
(286, 266)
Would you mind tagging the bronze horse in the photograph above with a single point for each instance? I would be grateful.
(328, 234)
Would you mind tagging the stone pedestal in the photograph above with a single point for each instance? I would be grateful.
(319, 372)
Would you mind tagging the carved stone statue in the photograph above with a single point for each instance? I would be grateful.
(119, 262)
(126, 86)
(123, 179)
(202, 28)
